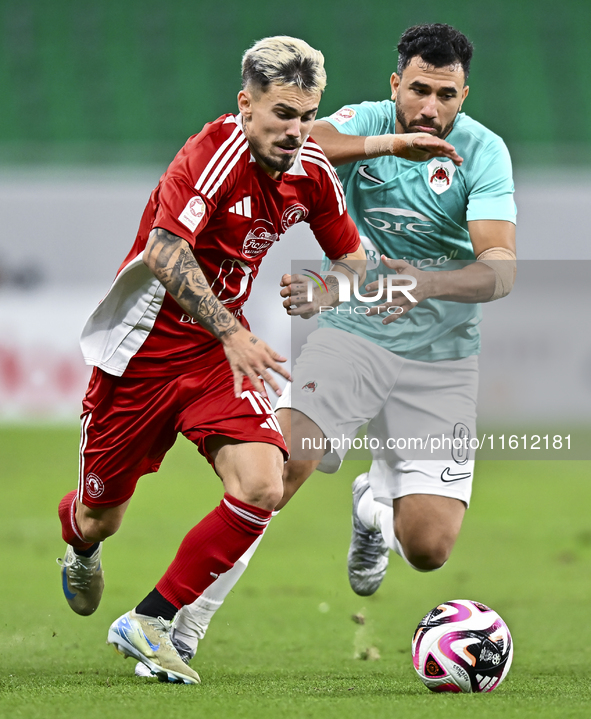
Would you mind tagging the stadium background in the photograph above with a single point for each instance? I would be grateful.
(96, 99)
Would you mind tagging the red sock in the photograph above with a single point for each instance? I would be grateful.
(67, 514)
(211, 548)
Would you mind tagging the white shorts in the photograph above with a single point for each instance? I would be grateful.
(421, 415)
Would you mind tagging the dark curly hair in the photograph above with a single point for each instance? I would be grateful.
(437, 44)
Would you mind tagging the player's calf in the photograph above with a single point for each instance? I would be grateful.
(97, 524)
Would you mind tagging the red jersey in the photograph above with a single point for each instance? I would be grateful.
(219, 199)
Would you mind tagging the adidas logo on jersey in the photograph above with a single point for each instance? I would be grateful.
(242, 207)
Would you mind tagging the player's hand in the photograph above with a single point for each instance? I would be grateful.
(420, 146)
(295, 291)
(400, 303)
(250, 356)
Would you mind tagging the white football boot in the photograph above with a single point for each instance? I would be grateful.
(367, 560)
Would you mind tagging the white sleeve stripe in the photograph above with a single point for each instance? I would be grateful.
(335, 182)
(312, 151)
(220, 151)
(245, 514)
(239, 144)
(228, 170)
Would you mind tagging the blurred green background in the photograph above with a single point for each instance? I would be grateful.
(126, 81)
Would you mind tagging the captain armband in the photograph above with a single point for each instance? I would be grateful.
(504, 264)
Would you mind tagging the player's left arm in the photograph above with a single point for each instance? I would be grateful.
(342, 149)
(295, 287)
(489, 278)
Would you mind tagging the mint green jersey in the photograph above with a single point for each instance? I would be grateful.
(418, 211)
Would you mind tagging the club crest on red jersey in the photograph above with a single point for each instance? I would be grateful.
(294, 214)
(259, 238)
(94, 485)
(440, 174)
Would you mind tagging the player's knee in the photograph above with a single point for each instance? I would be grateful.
(426, 556)
(265, 495)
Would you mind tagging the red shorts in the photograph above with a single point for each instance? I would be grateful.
(128, 425)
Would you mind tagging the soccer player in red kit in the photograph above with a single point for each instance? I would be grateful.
(172, 351)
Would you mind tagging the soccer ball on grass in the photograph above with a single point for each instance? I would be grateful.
(462, 646)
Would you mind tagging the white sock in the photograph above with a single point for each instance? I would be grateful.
(377, 516)
(193, 620)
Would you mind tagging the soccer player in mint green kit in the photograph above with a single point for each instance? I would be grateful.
(431, 192)
(452, 227)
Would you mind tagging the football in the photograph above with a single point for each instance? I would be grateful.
(462, 646)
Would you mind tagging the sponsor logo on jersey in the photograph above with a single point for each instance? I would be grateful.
(440, 175)
(343, 115)
(94, 485)
(242, 207)
(259, 239)
(294, 214)
(418, 223)
(193, 213)
(310, 387)
(187, 319)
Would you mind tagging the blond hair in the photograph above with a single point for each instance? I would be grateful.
(283, 60)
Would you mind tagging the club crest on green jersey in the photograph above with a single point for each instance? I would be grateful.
(440, 174)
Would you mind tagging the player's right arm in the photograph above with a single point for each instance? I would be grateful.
(342, 149)
(172, 261)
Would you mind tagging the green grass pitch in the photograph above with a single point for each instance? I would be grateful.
(283, 644)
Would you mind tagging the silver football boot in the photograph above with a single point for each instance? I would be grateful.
(367, 560)
(82, 580)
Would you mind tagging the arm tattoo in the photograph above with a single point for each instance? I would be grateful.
(346, 266)
(172, 262)
(333, 288)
